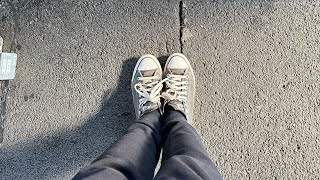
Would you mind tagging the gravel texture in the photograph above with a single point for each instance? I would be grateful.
(258, 90)
(71, 97)
(256, 64)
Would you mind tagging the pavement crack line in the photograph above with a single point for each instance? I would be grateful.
(182, 21)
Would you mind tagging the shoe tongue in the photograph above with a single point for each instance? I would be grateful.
(147, 73)
(178, 71)
(150, 106)
(174, 103)
(177, 105)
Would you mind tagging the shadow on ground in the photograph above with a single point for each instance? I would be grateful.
(63, 153)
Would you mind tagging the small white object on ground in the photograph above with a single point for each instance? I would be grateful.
(8, 63)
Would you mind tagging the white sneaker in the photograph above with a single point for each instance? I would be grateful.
(180, 85)
(146, 85)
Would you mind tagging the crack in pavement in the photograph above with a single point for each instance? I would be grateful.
(182, 21)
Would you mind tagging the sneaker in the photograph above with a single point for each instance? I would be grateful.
(180, 85)
(146, 85)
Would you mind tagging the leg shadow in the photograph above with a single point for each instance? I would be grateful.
(63, 154)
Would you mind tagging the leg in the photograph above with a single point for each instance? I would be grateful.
(133, 156)
(136, 153)
(184, 156)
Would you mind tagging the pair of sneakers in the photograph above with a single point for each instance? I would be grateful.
(148, 80)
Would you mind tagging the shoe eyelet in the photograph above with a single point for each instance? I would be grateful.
(187, 87)
(138, 78)
(186, 82)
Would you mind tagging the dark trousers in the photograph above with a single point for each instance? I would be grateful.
(136, 153)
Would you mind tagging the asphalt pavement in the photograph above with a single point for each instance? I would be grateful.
(257, 68)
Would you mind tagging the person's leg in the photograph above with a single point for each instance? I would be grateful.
(136, 153)
(133, 156)
(184, 156)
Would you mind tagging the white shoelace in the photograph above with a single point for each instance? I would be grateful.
(176, 88)
(149, 89)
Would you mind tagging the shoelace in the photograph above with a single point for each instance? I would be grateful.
(149, 90)
(176, 88)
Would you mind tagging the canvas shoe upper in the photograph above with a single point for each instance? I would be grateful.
(146, 85)
(179, 85)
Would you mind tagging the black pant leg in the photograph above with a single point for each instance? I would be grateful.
(184, 156)
(133, 156)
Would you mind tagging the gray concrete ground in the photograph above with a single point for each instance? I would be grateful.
(257, 69)
(258, 107)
